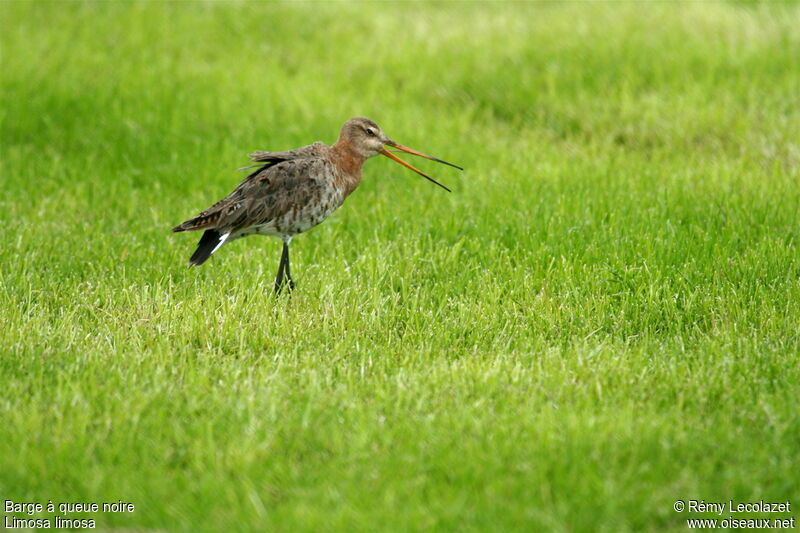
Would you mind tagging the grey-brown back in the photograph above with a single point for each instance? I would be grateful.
(287, 181)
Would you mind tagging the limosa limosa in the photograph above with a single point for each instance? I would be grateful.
(291, 192)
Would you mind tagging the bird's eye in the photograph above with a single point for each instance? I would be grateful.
(371, 132)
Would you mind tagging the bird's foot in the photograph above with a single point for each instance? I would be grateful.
(288, 284)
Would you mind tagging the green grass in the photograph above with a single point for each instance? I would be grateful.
(601, 319)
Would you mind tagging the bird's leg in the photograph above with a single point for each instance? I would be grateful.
(288, 270)
(279, 278)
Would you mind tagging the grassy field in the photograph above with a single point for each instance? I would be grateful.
(601, 319)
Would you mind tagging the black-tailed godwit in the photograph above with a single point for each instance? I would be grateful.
(291, 192)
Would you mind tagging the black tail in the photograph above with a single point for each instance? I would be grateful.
(208, 242)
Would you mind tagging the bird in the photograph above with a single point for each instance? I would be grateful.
(290, 192)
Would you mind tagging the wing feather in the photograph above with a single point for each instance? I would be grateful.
(269, 192)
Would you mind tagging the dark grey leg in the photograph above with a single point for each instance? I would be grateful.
(281, 267)
(288, 270)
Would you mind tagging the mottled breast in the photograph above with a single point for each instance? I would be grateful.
(307, 195)
(303, 217)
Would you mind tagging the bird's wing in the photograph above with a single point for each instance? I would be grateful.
(265, 194)
(306, 152)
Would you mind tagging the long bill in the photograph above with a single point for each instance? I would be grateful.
(406, 149)
(420, 154)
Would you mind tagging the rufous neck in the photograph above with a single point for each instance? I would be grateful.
(346, 158)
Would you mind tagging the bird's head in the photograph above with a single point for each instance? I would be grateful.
(364, 136)
(367, 139)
